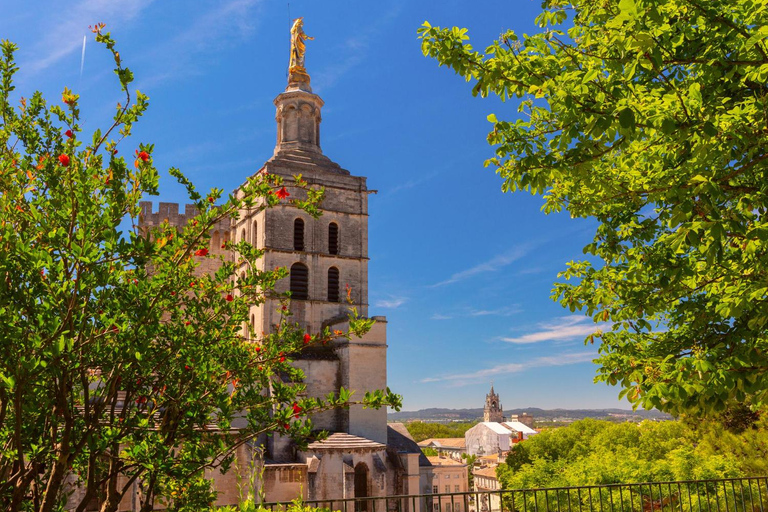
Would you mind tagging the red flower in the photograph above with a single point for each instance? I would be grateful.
(187, 323)
(64, 160)
(229, 297)
(286, 426)
(282, 357)
(143, 156)
(201, 252)
(296, 410)
(68, 133)
(224, 246)
(307, 338)
(187, 367)
(282, 193)
(173, 294)
(210, 199)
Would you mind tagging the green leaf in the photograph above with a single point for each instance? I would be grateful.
(627, 119)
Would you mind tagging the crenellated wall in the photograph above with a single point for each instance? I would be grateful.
(170, 213)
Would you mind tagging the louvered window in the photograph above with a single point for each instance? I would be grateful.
(333, 284)
(298, 235)
(333, 238)
(299, 281)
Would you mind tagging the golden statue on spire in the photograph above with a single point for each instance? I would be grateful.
(296, 70)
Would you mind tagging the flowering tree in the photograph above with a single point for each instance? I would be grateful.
(120, 365)
(648, 116)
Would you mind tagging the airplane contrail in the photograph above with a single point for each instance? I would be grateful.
(82, 58)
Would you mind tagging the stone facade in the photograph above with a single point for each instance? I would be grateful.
(524, 418)
(363, 456)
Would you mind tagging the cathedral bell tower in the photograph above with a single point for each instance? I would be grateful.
(327, 259)
(493, 411)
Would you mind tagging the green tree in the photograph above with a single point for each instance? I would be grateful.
(422, 430)
(119, 362)
(470, 460)
(594, 452)
(650, 117)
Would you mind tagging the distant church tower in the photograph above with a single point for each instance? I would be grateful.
(493, 411)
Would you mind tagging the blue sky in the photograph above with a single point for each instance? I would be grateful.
(462, 271)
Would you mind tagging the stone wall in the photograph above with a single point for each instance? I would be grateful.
(169, 212)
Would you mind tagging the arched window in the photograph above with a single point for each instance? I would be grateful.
(298, 235)
(242, 236)
(361, 486)
(299, 281)
(255, 234)
(333, 238)
(215, 240)
(333, 284)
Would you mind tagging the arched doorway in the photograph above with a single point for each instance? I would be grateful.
(361, 486)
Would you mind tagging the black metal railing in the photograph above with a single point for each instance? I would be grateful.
(722, 495)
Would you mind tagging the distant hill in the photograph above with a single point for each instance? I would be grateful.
(447, 415)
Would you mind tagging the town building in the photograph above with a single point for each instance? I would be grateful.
(487, 487)
(450, 477)
(363, 456)
(453, 447)
(524, 418)
(487, 438)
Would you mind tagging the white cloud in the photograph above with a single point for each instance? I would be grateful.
(503, 369)
(563, 328)
(391, 303)
(492, 265)
(510, 310)
(502, 311)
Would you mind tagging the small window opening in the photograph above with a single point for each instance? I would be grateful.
(333, 284)
(298, 235)
(333, 238)
(299, 281)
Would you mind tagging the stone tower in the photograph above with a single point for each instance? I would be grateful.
(324, 257)
(493, 411)
(327, 259)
